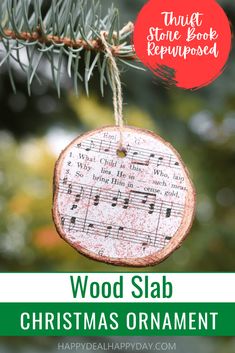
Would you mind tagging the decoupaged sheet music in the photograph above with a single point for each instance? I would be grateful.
(133, 210)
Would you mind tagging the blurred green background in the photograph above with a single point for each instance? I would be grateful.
(33, 130)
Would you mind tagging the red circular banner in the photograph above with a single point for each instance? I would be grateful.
(186, 43)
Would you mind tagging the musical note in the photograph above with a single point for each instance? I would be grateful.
(115, 232)
(90, 227)
(120, 231)
(73, 220)
(126, 203)
(133, 199)
(134, 161)
(152, 155)
(144, 201)
(139, 162)
(168, 212)
(72, 223)
(144, 155)
(108, 231)
(147, 243)
(147, 199)
(167, 239)
(115, 199)
(144, 246)
(104, 146)
(90, 147)
(70, 189)
(97, 200)
(65, 180)
(107, 148)
(78, 196)
(159, 162)
(151, 208)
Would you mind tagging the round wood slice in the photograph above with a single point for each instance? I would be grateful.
(132, 208)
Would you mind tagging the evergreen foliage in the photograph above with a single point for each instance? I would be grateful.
(63, 32)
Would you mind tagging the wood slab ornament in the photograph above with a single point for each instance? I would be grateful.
(129, 209)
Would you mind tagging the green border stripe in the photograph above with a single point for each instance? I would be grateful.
(82, 319)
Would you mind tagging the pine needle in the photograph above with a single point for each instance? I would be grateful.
(60, 30)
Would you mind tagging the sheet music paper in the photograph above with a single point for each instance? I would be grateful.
(116, 207)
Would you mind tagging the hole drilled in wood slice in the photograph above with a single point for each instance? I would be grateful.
(122, 152)
(130, 211)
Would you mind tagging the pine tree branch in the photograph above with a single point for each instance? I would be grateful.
(60, 31)
(95, 45)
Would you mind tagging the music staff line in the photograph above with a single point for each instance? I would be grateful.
(139, 156)
(134, 199)
(144, 238)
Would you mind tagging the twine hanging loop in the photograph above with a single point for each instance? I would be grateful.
(116, 88)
